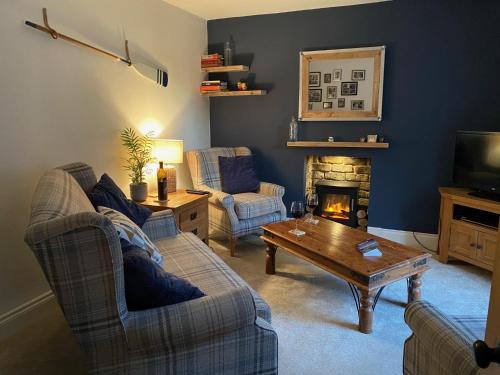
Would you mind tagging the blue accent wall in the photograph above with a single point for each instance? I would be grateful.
(442, 73)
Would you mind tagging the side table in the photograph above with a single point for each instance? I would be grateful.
(190, 210)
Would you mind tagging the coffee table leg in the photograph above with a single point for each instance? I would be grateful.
(271, 259)
(414, 290)
(366, 311)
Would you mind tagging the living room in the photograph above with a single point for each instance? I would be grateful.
(63, 102)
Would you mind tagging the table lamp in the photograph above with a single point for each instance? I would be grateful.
(169, 151)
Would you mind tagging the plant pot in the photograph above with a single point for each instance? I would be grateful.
(139, 192)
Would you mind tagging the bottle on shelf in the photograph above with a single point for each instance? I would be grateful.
(293, 134)
(228, 53)
(161, 177)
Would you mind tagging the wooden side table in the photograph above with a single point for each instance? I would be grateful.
(190, 210)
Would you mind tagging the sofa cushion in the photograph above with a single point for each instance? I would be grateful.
(148, 286)
(107, 194)
(186, 256)
(238, 174)
(130, 234)
(250, 205)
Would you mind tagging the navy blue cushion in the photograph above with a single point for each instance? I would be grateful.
(238, 174)
(107, 194)
(148, 286)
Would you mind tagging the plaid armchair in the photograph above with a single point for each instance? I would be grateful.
(440, 345)
(226, 332)
(239, 214)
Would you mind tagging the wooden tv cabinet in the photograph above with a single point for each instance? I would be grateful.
(473, 241)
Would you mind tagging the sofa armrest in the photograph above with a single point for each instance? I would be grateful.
(441, 337)
(195, 321)
(267, 188)
(219, 197)
(160, 224)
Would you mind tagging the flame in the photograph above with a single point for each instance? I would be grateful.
(336, 209)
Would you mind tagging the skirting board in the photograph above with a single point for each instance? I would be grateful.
(429, 240)
(17, 312)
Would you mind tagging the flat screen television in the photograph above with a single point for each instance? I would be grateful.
(477, 163)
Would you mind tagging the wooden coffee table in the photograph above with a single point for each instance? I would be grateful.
(332, 246)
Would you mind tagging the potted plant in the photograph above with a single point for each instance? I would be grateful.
(139, 149)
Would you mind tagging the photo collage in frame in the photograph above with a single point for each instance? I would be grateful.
(341, 84)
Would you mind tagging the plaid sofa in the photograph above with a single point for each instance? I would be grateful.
(440, 345)
(227, 332)
(239, 214)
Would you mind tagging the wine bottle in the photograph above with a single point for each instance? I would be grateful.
(161, 177)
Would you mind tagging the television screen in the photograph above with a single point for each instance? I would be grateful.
(477, 161)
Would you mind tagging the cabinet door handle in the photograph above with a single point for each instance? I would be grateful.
(479, 247)
(193, 216)
(472, 245)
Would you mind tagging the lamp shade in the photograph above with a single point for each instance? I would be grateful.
(168, 151)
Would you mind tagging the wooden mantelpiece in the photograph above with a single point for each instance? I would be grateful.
(468, 241)
(313, 144)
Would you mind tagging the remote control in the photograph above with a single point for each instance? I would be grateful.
(199, 192)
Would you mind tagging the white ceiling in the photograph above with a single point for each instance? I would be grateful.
(214, 9)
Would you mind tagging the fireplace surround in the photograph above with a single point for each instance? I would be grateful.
(349, 180)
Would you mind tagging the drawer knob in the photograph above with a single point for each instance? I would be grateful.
(193, 216)
(472, 245)
(195, 231)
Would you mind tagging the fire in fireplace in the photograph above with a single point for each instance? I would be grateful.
(338, 201)
(336, 206)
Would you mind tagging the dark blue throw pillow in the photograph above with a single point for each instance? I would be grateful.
(107, 194)
(148, 286)
(238, 174)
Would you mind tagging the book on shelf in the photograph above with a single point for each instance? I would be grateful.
(213, 88)
(212, 65)
(213, 56)
(210, 61)
(215, 82)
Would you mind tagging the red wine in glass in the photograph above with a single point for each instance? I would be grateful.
(297, 211)
(312, 203)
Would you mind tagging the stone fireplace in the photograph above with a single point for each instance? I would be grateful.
(343, 187)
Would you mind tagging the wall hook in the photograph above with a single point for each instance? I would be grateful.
(53, 33)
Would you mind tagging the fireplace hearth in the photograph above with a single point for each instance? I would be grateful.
(338, 201)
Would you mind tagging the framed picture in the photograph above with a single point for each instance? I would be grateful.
(327, 105)
(315, 79)
(357, 105)
(315, 95)
(357, 74)
(349, 88)
(331, 92)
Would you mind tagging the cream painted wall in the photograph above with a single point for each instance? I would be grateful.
(60, 103)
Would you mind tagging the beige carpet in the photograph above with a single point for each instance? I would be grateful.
(313, 313)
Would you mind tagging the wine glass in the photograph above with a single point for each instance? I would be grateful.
(311, 204)
(297, 211)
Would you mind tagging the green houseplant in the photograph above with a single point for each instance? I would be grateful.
(139, 149)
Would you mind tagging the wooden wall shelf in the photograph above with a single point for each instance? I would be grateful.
(235, 93)
(313, 144)
(223, 69)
